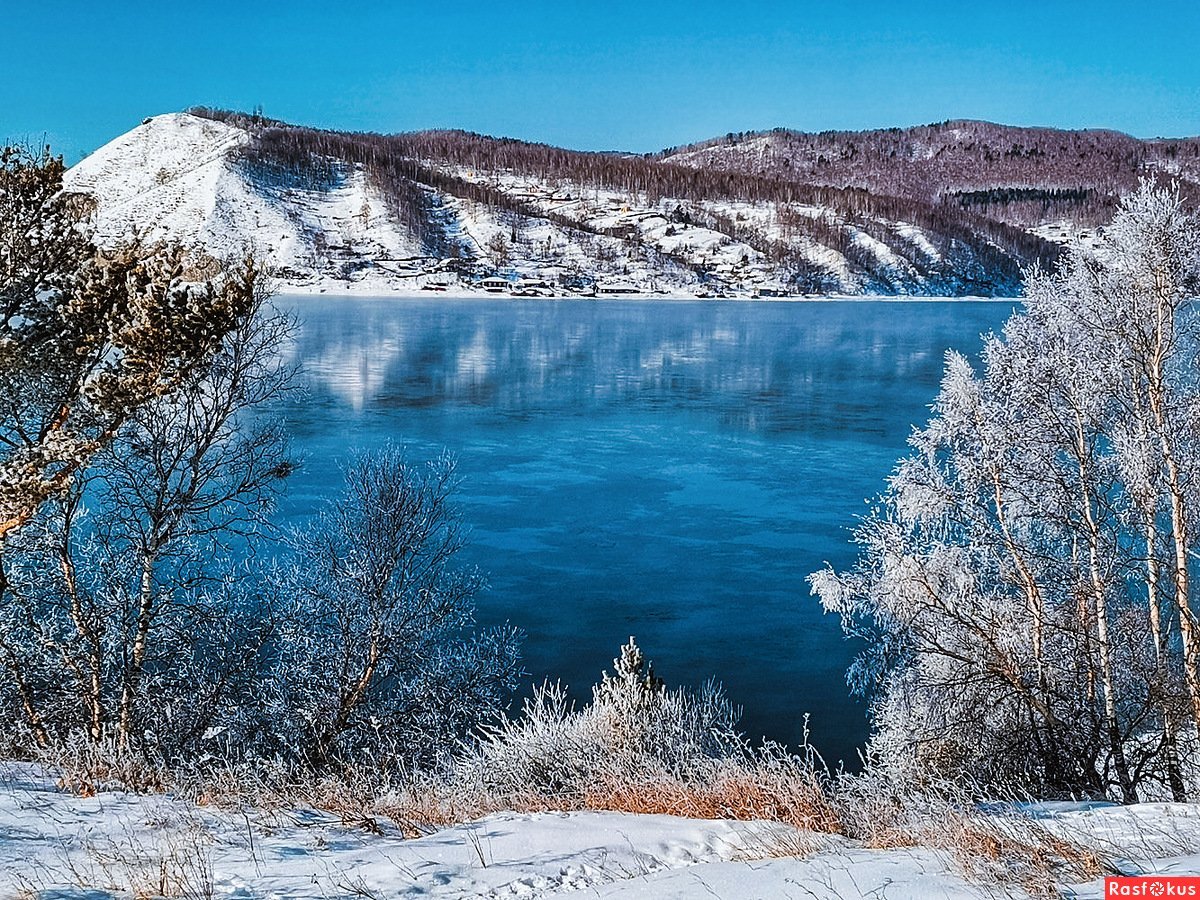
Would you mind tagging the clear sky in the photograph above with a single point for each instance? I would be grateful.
(606, 74)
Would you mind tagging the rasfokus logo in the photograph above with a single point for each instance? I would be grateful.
(1153, 886)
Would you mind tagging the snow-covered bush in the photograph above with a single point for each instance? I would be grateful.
(639, 747)
(634, 728)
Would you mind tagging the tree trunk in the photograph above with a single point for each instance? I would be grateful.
(1170, 741)
(347, 704)
(1103, 643)
(133, 674)
(1180, 538)
(93, 688)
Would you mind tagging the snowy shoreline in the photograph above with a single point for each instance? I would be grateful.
(55, 844)
(377, 291)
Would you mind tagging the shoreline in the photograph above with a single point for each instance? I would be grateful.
(374, 292)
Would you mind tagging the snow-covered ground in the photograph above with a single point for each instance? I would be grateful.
(55, 846)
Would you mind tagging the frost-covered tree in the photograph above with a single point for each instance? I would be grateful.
(87, 336)
(127, 615)
(89, 340)
(379, 655)
(499, 248)
(1024, 581)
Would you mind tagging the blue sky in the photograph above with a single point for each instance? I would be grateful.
(602, 75)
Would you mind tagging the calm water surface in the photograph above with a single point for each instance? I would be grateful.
(667, 469)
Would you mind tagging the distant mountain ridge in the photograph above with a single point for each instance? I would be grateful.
(959, 208)
(1021, 174)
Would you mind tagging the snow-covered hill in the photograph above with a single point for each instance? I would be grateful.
(176, 177)
(112, 845)
(444, 210)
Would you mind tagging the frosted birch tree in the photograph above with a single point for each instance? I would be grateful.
(1024, 581)
(126, 611)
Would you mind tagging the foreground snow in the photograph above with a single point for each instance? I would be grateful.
(57, 845)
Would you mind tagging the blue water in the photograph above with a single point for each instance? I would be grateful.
(666, 469)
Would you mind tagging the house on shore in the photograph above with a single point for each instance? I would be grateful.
(617, 287)
(532, 287)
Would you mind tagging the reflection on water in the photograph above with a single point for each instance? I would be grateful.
(666, 469)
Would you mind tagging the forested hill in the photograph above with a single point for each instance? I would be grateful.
(1026, 176)
(955, 209)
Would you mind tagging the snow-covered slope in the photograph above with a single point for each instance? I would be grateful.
(176, 177)
(61, 846)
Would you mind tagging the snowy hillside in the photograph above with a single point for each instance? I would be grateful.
(58, 845)
(333, 211)
(176, 177)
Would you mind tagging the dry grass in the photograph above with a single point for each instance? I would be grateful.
(771, 787)
(803, 811)
(747, 794)
(772, 840)
(173, 865)
(87, 768)
(998, 849)
(986, 847)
